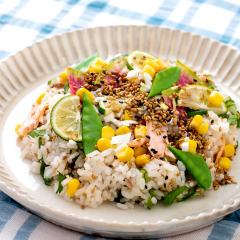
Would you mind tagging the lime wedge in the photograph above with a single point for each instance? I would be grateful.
(137, 58)
(196, 97)
(120, 61)
(66, 118)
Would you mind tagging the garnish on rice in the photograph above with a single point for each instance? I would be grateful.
(131, 129)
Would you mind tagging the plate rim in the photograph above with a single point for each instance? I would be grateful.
(17, 194)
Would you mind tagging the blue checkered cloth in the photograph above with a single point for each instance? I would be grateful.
(23, 22)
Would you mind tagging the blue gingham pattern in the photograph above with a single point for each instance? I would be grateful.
(23, 22)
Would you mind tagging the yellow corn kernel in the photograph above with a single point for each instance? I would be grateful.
(98, 61)
(104, 144)
(162, 64)
(17, 130)
(127, 115)
(108, 132)
(225, 162)
(139, 151)
(196, 122)
(125, 154)
(72, 187)
(153, 64)
(80, 94)
(63, 77)
(122, 130)
(148, 69)
(39, 100)
(229, 150)
(203, 128)
(192, 146)
(94, 68)
(142, 160)
(215, 99)
(140, 131)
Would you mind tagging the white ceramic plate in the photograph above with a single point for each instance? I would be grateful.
(23, 77)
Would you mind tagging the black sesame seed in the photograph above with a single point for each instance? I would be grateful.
(166, 178)
(147, 136)
(106, 94)
(103, 72)
(158, 100)
(164, 185)
(153, 150)
(112, 72)
(212, 121)
(104, 100)
(156, 152)
(225, 172)
(187, 134)
(195, 80)
(169, 120)
(92, 74)
(164, 136)
(117, 79)
(121, 101)
(161, 158)
(114, 92)
(101, 81)
(146, 186)
(137, 117)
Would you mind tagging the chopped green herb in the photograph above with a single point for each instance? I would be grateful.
(144, 175)
(36, 133)
(47, 181)
(233, 119)
(236, 145)
(149, 203)
(61, 177)
(152, 193)
(50, 82)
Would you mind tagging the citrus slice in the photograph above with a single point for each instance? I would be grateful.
(120, 61)
(137, 58)
(66, 118)
(196, 97)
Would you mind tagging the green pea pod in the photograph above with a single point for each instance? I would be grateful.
(171, 196)
(84, 65)
(195, 165)
(192, 113)
(164, 80)
(91, 125)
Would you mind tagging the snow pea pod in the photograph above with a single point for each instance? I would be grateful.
(85, 64)
(171, 196)
(91, 125)
(164, 80)
(192, 113)
(195, 165)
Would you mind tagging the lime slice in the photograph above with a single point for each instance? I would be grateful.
(137, 58)
(120, 61)
(196, 97)
(66, 118)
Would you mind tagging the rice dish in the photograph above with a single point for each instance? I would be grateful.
(132, 129)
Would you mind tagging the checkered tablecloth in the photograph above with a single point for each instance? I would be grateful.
(23, 22)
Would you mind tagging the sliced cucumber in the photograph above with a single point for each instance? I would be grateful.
(120, 61)
(66, 118)
(137, 58)
(196, 97)
(106, 107)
